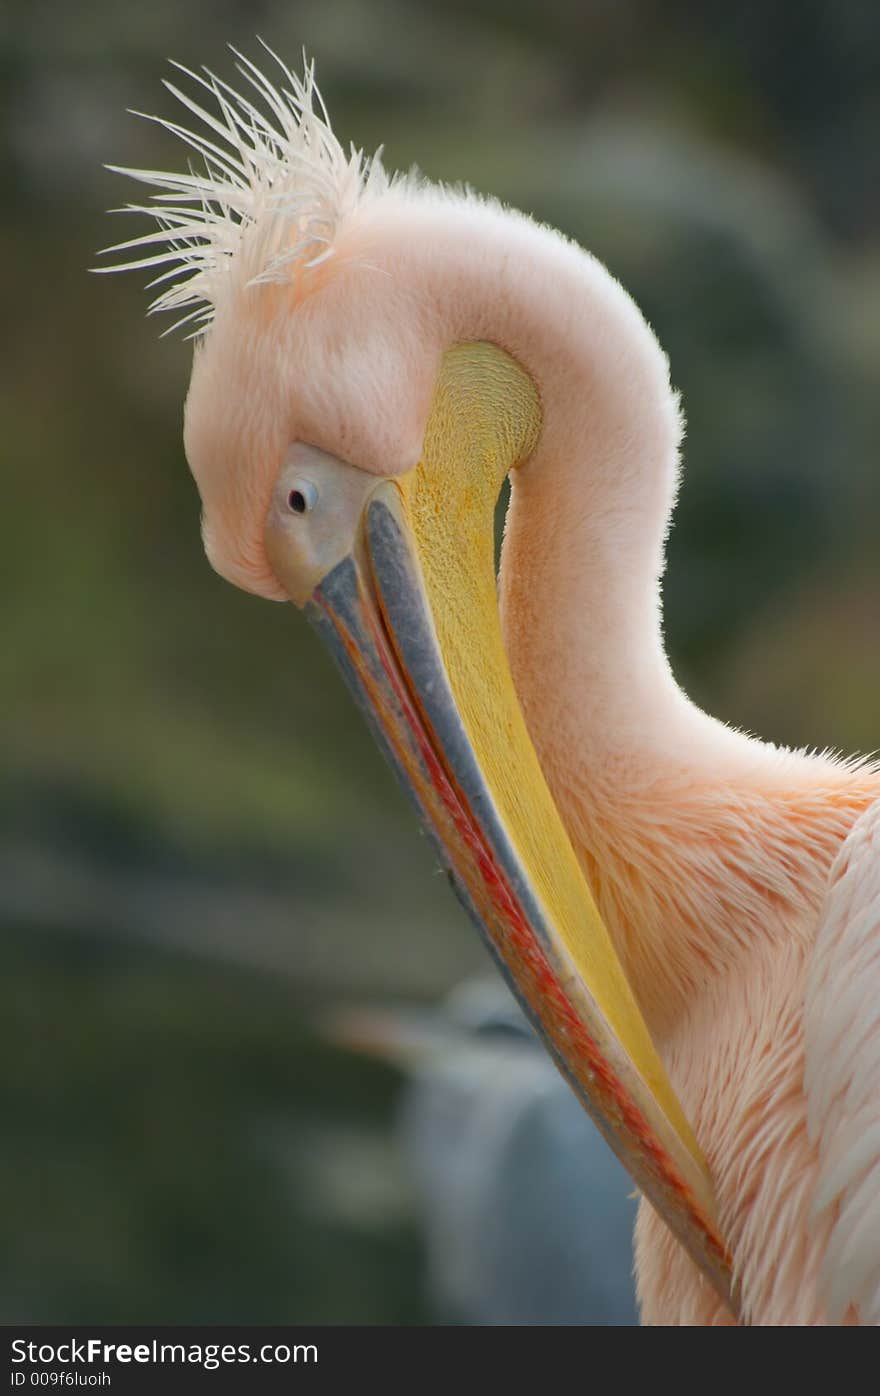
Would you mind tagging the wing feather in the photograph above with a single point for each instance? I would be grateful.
(842, 1077)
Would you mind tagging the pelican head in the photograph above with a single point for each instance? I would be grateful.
(373, 358)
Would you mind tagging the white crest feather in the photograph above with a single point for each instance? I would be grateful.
(273, 191)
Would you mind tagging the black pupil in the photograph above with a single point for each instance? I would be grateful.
(297, 501)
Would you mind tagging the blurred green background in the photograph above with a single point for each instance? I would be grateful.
(200, 847)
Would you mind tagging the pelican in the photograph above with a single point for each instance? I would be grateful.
(526, 1217)
(690, 917)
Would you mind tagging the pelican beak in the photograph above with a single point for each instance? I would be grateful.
(408, 608)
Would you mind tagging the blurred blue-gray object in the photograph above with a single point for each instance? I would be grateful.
(527, 1215)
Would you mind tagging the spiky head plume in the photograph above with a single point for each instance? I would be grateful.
(267, 204)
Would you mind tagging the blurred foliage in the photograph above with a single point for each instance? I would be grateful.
(170, 743)
(153, 1119)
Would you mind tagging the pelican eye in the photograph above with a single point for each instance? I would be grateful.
(302, 498)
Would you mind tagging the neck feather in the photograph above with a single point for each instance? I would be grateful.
(670, 812)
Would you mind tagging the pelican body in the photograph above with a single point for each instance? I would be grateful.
(689, 917)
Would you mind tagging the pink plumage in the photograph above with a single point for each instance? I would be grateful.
(739, 881)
